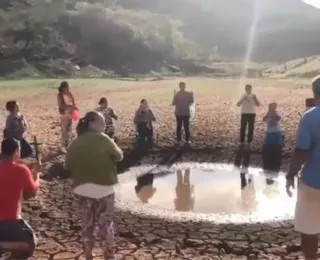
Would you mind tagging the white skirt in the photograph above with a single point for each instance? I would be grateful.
(94, 191)
(307, 214)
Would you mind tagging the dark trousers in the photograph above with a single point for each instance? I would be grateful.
(18, 231)
(145, 134)
(271, 157)
(26, 149)
(185, 121)
(247, 120)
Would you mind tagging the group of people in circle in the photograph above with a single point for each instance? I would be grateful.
(91, 159)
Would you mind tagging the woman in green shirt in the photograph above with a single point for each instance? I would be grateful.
(91, 159)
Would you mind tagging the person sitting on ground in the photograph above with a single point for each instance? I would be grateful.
(16, 182)
(109, 116)
(66, 105)
(143, 120)
(183, 100)
(91, 159)
(248, 103)
(16, 127)
(273, 141)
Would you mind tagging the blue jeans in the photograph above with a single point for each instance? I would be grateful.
(18, 231)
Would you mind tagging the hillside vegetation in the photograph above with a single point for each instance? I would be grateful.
(126, 37)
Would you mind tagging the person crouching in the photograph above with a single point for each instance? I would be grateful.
(143, 120)
(109, 116)
(16, 128)
(273, 142)
(17, 183)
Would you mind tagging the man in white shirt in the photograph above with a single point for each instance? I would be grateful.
(248, 103)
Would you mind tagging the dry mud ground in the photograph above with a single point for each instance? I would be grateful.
(215, 126)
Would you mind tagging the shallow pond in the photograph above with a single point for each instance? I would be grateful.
(210, 189)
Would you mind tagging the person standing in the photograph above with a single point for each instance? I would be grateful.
(91, 159)
(273, 141)
(306, 161)
(66, 105)
(182, 101)
(248, 103)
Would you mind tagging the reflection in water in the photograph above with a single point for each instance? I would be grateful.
(242, 159)
(219, 188)
(144, 188)
(248, 193)
(184, 200)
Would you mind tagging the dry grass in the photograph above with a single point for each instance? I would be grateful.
(217, 118)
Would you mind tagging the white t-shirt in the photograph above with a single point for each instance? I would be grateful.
(248, 105)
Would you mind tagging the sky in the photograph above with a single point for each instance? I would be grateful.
(315, 3)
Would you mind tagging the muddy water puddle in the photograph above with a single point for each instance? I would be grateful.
(209, 188)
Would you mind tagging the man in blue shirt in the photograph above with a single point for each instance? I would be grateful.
(306, 160)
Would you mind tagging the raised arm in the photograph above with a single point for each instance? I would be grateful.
(73, 101)
(113, 114)
(24, 123)
(30, 181)
(256, 101)
(152, 117)
(265, 118)
(239, 103)
(113, 149)
(277, 116)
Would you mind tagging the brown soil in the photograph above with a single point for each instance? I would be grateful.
(216, 126)
(217, 118)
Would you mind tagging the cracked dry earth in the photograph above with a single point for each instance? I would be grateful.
(53, 213)
(53, 216)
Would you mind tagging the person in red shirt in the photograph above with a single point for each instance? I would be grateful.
(17, 182)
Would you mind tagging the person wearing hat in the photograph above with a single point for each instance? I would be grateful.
(305, 164)
(109, 115)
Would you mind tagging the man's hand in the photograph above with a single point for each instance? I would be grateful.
(36, 169)
(290, 184)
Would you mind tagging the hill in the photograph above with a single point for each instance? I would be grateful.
(142, 36)
(285, 29)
